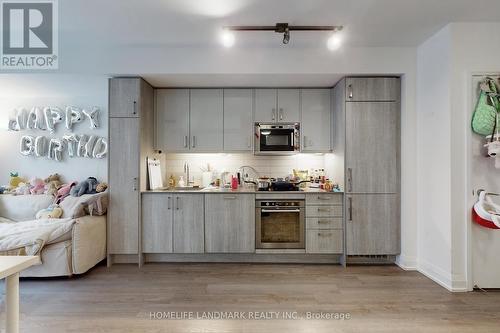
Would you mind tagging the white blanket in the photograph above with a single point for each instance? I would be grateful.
(29, 237)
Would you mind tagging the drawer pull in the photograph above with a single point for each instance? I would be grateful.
(323, 222)
(169, 203)
(323, 209)
(324, 197)
(322, 234)
(229, 198)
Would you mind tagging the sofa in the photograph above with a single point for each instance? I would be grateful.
(78, 247)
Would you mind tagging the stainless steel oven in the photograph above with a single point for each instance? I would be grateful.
(277, 139)
(279, 224)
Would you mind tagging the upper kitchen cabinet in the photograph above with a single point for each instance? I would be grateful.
(316, 120)
(277, 105)
(238, 119)
(124, 97)
(206, 120)
(172, 119)
(374, 89)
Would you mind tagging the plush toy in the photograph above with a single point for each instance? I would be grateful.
(88, 186)
(63, 192)
(15, 180)
(22, 189)
(101, 187)
(51, 212)
(3, 189)
(37, 186)
(52, 184)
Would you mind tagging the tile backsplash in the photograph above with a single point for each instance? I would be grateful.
(271, 166)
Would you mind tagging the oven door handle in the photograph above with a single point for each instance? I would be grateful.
(280, 210)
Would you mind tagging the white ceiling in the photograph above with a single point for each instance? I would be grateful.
(196, 24)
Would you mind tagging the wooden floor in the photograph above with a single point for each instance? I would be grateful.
(378, 299)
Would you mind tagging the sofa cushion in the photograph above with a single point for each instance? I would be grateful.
(23, 207)
(93, 204)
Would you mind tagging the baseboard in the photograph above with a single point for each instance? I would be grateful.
(407, 263)
(453, 283)
(243, 258)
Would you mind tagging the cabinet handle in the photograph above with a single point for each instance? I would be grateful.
(323, 209)
(185, 141)
(249, 141)
(134, 184)
(281, 113)
(194, 141)
(323, 197)
(323, 222)
(305, 141)
(134, 110)
(177, 203)
(274, 114)
(323, 234)
(349, 90)
(349, 179)
(169, 205)
(350, 208)
(229, 198)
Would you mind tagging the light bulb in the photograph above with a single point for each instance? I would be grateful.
(227, 38)
(334, 42)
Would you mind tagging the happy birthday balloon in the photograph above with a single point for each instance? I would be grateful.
(72, 144)
(27, 146)
(73, 116)
(21, 118)
(100, 148)
(31, 122)
(56, 147)
(53, 115)
(93, 116)
(40, 146)
(80, 150)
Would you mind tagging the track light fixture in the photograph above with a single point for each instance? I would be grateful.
(285, 28)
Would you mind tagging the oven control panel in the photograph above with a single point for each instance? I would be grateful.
(281, 203)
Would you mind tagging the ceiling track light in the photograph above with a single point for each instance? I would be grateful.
(284, 28)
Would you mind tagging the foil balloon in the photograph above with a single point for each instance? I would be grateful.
(27, 146)
(93, 116)
(73, 116)
(89, 146)
(80, 150)
(40, 146)
(31, 121)
(21, 118)
(53, 115)
(39, 119)
(56, 147)
(72, 144)
(12, 125)
(100, 148)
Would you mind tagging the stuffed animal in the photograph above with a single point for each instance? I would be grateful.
(63, 192)
(88, 186)
(101, 187)
(15, 180)
(37, 186)
(51, 212)
(52, 184)
(3, 189)
(22, 189)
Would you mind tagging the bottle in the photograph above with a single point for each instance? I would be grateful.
(181, 181)
(171, 181)
(234, 183)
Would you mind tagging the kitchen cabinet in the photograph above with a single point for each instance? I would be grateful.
(230, 223)
(316, 120)
(372, 89)
(373, 224)
(324, 241)
(206, 120)
(124, 97)
(157, 223)
(188, 223)
(238, 120)
(130, 141)
(277, 105)
(172, 120)
(372, 147)
(172, 223)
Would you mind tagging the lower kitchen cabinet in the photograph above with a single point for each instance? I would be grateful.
(324, 241)
(230, 223)
(372, 223)
(172, 222)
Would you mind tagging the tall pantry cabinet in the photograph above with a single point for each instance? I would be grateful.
(366, 120)
(130, 117)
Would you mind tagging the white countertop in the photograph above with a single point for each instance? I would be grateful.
(242, 190)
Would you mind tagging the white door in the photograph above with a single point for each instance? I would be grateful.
(316, 124)
(206, 120)
(172, 120)
(265, 105)
(238, 119)
(288, 106)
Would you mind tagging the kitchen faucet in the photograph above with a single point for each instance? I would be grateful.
(187, 174)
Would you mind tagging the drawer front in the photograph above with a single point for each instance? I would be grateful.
(323, 211)
(324, 241)
(324, 223)
(324, 198)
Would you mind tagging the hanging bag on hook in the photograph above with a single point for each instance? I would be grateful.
(485, 212)
(485, 117)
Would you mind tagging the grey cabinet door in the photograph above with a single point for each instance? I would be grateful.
(373, 224)
(316, 120)
(361, 89)
(372, 147)
(230, 223)
(206, 120)
(157, 222)
(172, 120)
(288, 106)
(188, 235)
(238, 119)
(266, 105)
(123, 212)
(124, 97)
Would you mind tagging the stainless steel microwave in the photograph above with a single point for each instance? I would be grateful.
(277, 139)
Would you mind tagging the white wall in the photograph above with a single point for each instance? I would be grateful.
(27, 90)
(433, 157)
